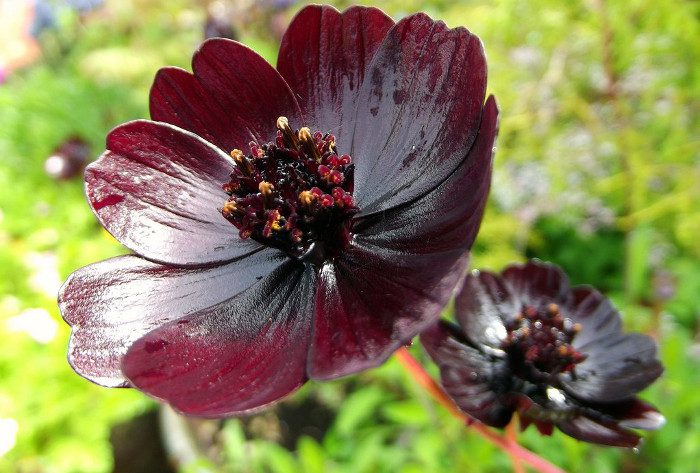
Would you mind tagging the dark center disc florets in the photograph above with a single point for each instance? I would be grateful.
(538, 344)
(294, 194)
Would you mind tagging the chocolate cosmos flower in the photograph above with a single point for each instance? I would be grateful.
(530, 343)
(288, 224)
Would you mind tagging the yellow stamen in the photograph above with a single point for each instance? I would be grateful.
(266, 188)
(282, 123)
(308, 141)
(306, 198)
(229, 208)
(276, 225)
(237, 156)
(289, 136)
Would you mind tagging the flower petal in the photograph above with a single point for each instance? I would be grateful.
(323, 57)
(113, 303)
(598, 431)
(235, 357)
(372, 300)
(233, 97)
(597, 316)
(617, 368)
(449, 216)
(157, 189)
(468, 375)
(537, 283)
(618, 365)
(481, 308)
(418, 111)
(636, 414)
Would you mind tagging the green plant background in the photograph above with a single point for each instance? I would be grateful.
(597, 169)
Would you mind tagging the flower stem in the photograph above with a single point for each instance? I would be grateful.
(512, 436)
(508, 445)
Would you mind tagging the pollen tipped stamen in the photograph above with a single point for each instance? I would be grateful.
(242, 162)
(539, 343)
(309, 145)
(288, 135)
(292, 193)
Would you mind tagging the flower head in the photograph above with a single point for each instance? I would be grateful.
(287, 224)
(529, 343)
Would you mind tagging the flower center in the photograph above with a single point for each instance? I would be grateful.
(538, 344)
(294, 194)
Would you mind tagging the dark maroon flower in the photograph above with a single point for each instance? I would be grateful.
(68, 160)
(528, 342)
(334, 238)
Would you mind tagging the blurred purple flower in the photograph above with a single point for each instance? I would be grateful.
(68, 160)
(352, 217)
(218, 26)
(46, 13)
(529, 343)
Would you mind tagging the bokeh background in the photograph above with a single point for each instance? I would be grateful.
(597, 170)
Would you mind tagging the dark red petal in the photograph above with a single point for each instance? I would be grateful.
(482, 306)
(597, 316)
(113, 303)
(372, 300)
(448, 217)
(157, 189)
(617, 368)
(233, 97)
(537, 283)
(467, 375)
(323, 57)
(418, 112)
(635, 414)
(232, 358)
(600, 432)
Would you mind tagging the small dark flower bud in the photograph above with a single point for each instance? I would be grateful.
(68, 160)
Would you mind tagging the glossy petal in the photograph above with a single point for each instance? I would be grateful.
(323, 57)
(111, 304)
(418, 112)
(481, 308)
(157, 189)
(598, 318)
(537, 283)
(618, 365)
(235, 357)
(448, 217)
(469, 377)
(617, 368)
(636, 414)
(371, 300)
(233, 97)
(599, 431)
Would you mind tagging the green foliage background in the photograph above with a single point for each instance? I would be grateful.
(597, 169)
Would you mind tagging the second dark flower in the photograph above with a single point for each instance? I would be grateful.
(529, 343)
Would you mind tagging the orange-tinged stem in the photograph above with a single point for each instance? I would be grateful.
(512, 437)
(508, 445)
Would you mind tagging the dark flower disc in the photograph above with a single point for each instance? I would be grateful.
(529, 343)
(291, 223)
